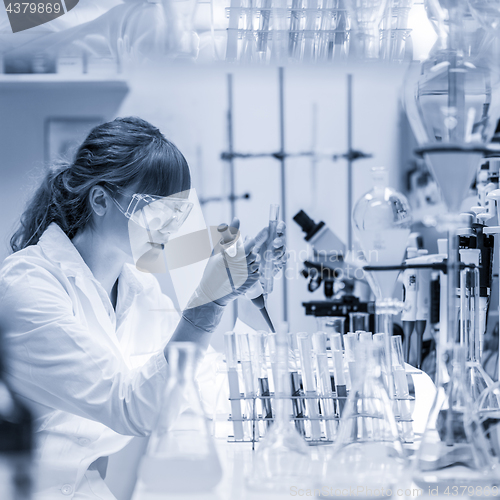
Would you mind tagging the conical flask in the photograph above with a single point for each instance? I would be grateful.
(181, 455)
(488, 412)
(454, 451)
(282, 459)
(368, 450)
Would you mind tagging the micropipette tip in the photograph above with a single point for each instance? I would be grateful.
(265, 315)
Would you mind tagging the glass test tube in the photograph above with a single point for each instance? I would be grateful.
(234, 388)
(365, 336)
(309, 382)
(248, 379)
(338, 368)
(262, 376)
(350, 342)
(295, 381)
(269, 254)
(325, 384)
(401, 384)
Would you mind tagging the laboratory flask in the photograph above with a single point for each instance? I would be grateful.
(488, 412)
(368, 450)
(181, 455)
(282, 459)
(454, 451)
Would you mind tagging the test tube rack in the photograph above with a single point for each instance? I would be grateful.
(257, 422)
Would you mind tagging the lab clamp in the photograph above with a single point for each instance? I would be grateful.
(319, 384)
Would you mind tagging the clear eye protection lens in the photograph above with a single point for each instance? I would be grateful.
(162, 214)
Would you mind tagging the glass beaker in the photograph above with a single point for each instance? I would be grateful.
(359, 321)
(282, 458)
(181, 455)
(368, 450)
(454, 451)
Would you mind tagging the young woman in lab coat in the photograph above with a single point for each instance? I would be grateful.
(79, 323)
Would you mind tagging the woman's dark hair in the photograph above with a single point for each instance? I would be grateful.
(118, 154)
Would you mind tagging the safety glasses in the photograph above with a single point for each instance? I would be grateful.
(156, 213)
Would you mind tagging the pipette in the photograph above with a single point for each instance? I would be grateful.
(234, 388)
(309, 382)
(325, 384)
(255, 293)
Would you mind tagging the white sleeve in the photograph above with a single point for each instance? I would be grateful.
(54, 360)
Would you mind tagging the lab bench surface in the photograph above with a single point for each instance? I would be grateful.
(237, 459)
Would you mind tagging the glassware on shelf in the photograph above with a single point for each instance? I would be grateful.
(365, 18)
(331, 325)
(454, 451)
(282, 458)
(368, 450)
(181, 455)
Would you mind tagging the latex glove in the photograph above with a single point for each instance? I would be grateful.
(276, 250)
(228, 276)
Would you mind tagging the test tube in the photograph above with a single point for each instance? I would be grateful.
(234, 388)
(350, 342)
(310, 30)
(269, 254)
(263, 35)
(295, 382)
(338, 367)
(325, 384)
(295, 41)
(248, 379)
(401, 385)
(262, 376)
(309, 382)
(365, 336)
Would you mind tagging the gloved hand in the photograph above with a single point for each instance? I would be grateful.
(228, 274)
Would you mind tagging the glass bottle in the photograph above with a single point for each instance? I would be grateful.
(16, 445)
(454, 450)
(181, 455)
(282, 458)
(368, 450)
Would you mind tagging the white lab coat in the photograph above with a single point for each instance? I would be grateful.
(92, 376)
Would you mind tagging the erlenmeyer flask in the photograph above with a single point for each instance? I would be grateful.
(282, 458)
(368, 450)
(181, 455)
(454, 450)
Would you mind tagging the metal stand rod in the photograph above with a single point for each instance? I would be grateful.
(230, 144)
(349, 163)
(283, 177)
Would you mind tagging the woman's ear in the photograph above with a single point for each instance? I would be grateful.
(99, 200)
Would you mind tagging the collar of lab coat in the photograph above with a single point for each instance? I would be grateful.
(58, 247)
